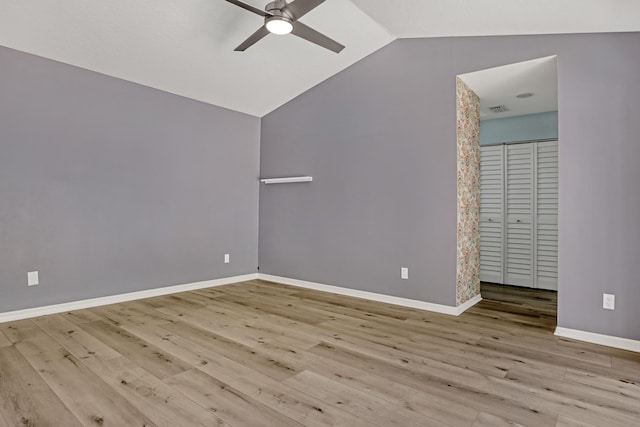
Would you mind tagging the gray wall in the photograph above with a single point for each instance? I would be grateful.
(528, 127)
(384, 170)
(379, 139)
(109, 187)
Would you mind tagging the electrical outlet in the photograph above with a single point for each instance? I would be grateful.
(608, 301)
(226, 258)
(404, 273)
(32, 278)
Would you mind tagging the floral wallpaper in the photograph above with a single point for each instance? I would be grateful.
(468, 135)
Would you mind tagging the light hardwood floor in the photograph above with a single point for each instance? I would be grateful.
(264, 354)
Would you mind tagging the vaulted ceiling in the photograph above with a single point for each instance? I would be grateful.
(186, 47)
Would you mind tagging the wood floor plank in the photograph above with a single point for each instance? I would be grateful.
(541, 355)
(221, 312)
(489, 420)
(207, 292)
(25, 398)
(345, 310)
(394, 355)
(156, 400)
(568, 422)
(290, 402)
(200, 351)
(131, 312)
(413, 352)
(76, 340)
(544, 301)
(247, 330)
(161, 403)
(580, 403)
(432, 342)
(430, 405)
(629, 361)
(465, 330)
(515, 314)
(20, 331)
(91, 400)
(362, 305)
(261, 353)
(289, 310)
(544, 345)
(474, 395)
(233, 350)
(262, 287)
(81, 316)
(203, 299)
(135, 349)
(4, 341)
(361, 404)
(614, 353)
(229, 404)
(625, 389)
(182, 300)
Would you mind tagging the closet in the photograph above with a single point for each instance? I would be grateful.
(519, 214)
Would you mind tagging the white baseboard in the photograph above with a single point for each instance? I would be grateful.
(608, 340)
(405, 302)
(467, 305)
(132, 296)
(114, 299)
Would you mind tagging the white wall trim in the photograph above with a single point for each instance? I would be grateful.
(114, 299)
(467, 305)
(405, 302)
(608, 340)
(132, 296)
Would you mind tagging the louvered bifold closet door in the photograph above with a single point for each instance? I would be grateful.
(519, 182)
(491, 213)
(547, 215)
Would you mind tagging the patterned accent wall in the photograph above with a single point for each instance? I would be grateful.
(468, 135)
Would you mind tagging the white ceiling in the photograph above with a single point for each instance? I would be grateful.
(500, 85)
(186, 47)
(438, 18)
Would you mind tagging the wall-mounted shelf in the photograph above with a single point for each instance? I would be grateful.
(286, 180)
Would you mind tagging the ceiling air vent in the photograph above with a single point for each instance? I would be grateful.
(498, 109)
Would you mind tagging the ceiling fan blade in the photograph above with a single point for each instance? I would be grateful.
(309, 34)
(249, 8)
(299, 8)
(253, 39)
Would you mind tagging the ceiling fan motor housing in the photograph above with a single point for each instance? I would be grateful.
(278, 10)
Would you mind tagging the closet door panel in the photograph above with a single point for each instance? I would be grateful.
(491, 214)
(519, 203)
(547, 215)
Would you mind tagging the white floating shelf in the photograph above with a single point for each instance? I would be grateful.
(287, 180)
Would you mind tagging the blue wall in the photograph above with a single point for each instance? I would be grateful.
(519, 128)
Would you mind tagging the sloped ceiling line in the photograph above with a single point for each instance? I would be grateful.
(186, 47)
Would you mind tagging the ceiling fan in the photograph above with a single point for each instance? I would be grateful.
(281, 17)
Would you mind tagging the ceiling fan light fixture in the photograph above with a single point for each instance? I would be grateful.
(281, 17)
(280, 25)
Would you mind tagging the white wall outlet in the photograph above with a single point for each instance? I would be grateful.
(608, 301)
(226, 258)
(32, 278)
(404, 273)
